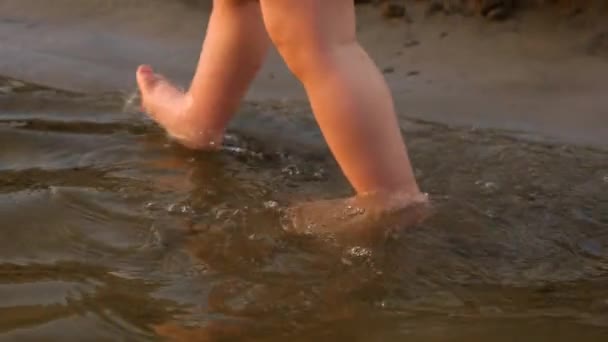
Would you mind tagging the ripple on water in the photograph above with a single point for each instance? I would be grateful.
(143, 234)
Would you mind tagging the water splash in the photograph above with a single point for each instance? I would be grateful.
(132, 102)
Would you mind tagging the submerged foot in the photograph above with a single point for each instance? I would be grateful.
(360, 219)
(169, 107)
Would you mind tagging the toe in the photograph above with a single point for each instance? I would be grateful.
(145, 78)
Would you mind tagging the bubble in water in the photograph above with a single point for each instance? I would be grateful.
(487, 185)
(350, 211)
(291, 170)
(359, 251)
(490, 213)
(150, 206)
(271, 204)
(319, 174)
(310, 228)
(175, 208)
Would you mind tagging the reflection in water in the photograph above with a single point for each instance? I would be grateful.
(111, 232)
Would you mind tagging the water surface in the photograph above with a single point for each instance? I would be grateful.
(111, 232)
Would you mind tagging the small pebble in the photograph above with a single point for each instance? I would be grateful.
(388, 70)
(391, 9)
(411, 43)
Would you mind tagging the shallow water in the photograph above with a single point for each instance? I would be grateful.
(110, 232)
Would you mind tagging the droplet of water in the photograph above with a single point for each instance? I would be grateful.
(130, 103)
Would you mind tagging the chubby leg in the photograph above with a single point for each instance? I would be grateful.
(233, 51)
(352, 104)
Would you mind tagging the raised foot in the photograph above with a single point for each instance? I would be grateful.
(169, 106)
(361, 219)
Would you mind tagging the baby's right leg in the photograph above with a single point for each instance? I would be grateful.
(233, 51)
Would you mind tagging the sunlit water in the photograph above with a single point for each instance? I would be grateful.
(110, 232)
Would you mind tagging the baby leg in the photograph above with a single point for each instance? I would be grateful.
(351, 102)
(233, 51)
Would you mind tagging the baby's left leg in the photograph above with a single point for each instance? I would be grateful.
(234, 50)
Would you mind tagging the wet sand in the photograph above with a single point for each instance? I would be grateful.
(538, 75)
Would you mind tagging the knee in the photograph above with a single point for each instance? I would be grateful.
(300, 50)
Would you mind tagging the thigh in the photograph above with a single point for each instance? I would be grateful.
(309, 21)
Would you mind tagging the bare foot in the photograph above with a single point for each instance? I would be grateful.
(169, 107)
(360, 219)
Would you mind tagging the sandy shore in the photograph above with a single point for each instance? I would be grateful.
(538, 75)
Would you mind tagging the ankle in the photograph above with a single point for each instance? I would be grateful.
(196, 133)
(202, 141)
(394, 199)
